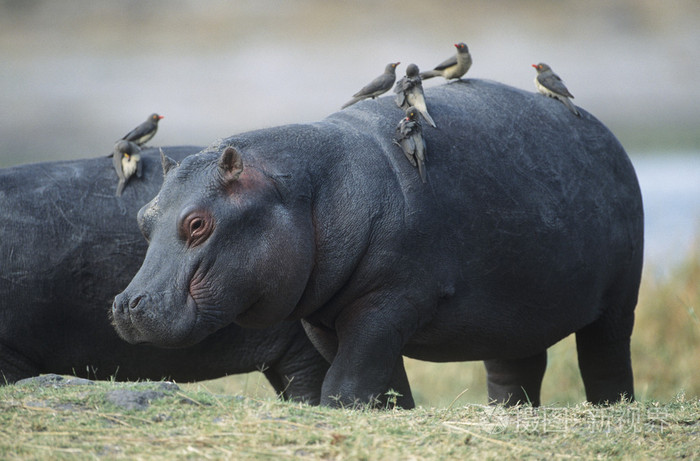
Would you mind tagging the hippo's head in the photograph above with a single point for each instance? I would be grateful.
(227, 243)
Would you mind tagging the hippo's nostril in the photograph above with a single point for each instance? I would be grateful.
(135, 302)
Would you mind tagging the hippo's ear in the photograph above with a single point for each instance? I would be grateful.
(167, 162)
(231, 164)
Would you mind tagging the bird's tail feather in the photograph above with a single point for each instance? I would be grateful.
(570, 106)
(421, 171)
(351, 102)
(430, 74)
(428, 118)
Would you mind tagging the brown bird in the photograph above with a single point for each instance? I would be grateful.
(376, 87)
(549, 84)
(410, 139)
(409, 92)
(454, 67)
(126, 160)
(145, 131)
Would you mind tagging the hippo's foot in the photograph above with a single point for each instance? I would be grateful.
(354, 394)
(516, 381)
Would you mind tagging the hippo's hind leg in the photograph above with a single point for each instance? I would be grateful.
(603, 349)
(516, 381)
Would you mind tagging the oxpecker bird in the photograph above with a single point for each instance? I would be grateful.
(376, 87)
(409, 92)
(410, 138)
(549, 84)
(126, 159)
(145, 131)
(454, 67)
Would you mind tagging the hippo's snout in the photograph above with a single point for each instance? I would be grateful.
(124, 306)
(139, 319)
(125, 312)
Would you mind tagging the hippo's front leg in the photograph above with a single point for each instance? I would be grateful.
(368, 361)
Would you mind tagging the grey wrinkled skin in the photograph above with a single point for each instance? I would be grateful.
(530, 229)
(69, 246)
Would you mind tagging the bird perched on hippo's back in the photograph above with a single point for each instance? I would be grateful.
(376, 87)
(549, 84)
(410, 138)
(409, 92)
(126, 159)
(453, 67)
(145, 131)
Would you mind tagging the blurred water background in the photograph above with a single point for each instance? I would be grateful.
(75, 75)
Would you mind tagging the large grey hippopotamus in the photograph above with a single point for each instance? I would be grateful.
(529, 228)
(69, 246)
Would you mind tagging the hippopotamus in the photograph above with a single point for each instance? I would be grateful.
(69, 246)
(528, 229)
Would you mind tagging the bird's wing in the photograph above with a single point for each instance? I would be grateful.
(449, 62)
(554, 83)
(421, 151)
(409, 148)
(401, 99)
(401, 85)
(139, 168)
(416, 98)
(137, 132)
(409, 145)
(404, 129)
(117, 163)
(378, 84)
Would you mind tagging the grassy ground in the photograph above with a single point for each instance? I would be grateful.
(80, 422)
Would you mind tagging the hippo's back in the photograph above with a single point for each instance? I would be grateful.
(69, 245)
(529, 211)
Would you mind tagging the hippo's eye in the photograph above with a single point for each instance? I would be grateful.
(196, 227)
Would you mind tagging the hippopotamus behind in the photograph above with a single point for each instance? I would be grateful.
(530, 228)
(69, 246)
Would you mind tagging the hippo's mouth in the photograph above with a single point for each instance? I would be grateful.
(139, 320)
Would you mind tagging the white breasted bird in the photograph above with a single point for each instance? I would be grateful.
(409, 92)
(145, 131)
(127, 162)
(549, 84)
(454, 67)
(409, 136)
(376, 87)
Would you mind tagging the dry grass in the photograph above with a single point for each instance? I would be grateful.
(69, 422)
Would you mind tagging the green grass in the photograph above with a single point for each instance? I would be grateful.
(77, 422)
